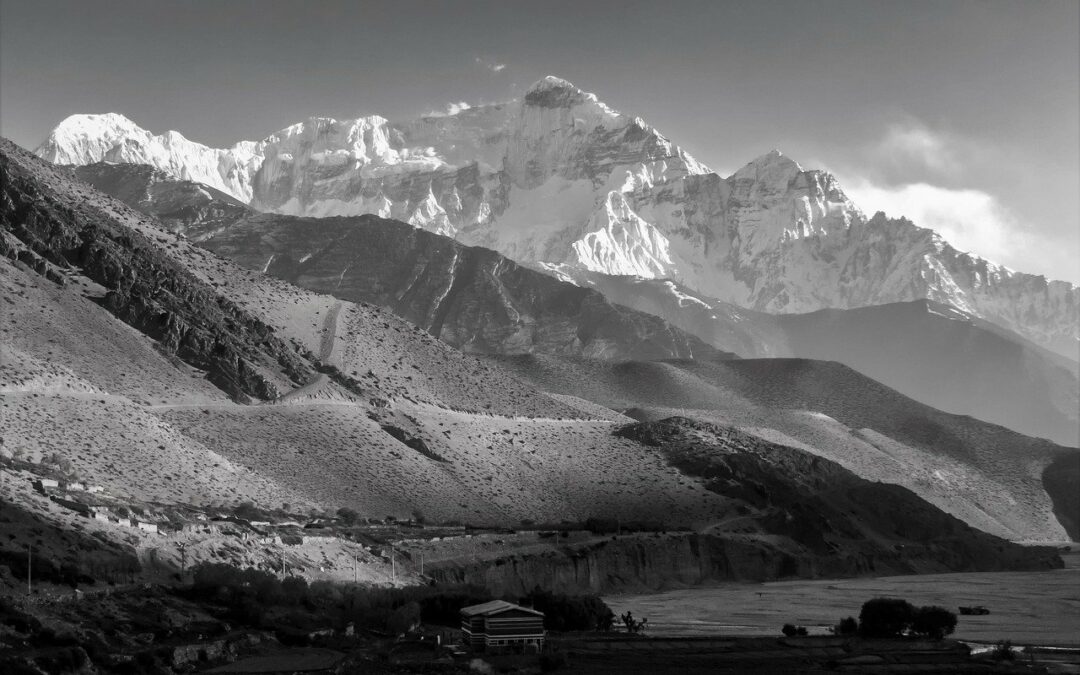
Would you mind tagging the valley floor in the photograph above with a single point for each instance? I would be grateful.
(1028, 608)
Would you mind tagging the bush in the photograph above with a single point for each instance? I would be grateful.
(848, 626)
(348, 516)
(248, 511)
(885, 617)
(933, 622)
(1003, 651)
(789, 630)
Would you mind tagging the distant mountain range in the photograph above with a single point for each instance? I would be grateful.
(559, 180)
(479, 301)
(167, 374)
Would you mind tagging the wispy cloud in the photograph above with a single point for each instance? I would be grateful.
(451, 109)
(917, 148)
(971, 220)
(490, 65)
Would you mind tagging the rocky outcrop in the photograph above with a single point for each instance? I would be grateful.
(562, 180)
(192, 209)
(45, 217)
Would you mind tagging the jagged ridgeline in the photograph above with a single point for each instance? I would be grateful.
(363, 389)
(482, 302)
(559, 179)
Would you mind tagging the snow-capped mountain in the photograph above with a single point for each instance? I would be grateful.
(561, 181)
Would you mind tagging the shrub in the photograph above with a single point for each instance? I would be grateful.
(789, 630)
(1003, 651)
(885, 617)
(348, 516)
(848, 626)
(633, 625)
(247, 511)
(933, 622)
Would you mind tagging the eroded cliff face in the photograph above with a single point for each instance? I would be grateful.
(559, 179)
(791, 514)
(49, 222)
(651, 562)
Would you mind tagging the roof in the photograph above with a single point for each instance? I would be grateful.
(496, 607)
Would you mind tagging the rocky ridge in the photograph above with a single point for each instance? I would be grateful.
(479, 301)
(560, 180)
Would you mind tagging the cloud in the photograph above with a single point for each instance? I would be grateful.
(915, 146)
(490, 65)
(451, 109)
(953, 184)
(972, 221)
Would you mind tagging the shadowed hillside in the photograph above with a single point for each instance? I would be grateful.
(934, 353)
(985, 474)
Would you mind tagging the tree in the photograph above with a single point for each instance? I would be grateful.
(348, 516)
(848, 626)
(789, 630)
(247, 511)
(633, 626)
(933, 622)
(885, 617)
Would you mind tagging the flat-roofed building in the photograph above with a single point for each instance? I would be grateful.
(499, 625)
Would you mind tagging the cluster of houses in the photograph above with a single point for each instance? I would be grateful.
(49, 486)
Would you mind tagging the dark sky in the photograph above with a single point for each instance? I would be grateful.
(962, 115)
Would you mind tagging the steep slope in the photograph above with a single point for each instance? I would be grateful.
(560, 179)
(471, 298)
(361, 408)
(941, 356)
(794, 493)
(189, 208)
(478, 301)
(950, 360)
(346, 404)
(986, 475)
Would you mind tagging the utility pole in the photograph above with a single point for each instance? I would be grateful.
(354, 568)
(393, 564)
(282, 562)
(421, 564)
(29, 565)
(183, 559)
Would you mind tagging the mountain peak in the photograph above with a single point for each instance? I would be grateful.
(555, 92)
(773, 164)
(551, 82)
(94, 123)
